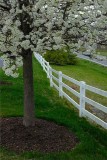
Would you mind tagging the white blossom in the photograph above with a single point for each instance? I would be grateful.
(53, 24)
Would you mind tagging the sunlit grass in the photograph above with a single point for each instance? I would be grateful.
(93, 74)
(102, 52)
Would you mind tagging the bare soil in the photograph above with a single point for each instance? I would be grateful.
(44, 137)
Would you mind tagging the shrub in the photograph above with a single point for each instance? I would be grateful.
(72, 59)
(60, 57)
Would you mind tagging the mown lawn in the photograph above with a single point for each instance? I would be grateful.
(102, 52)
(93, 74)
(89, 72)
(93, 139)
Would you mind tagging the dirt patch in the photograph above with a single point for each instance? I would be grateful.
(100, 114)
(76, 88)
(5, 83)
(45, 136)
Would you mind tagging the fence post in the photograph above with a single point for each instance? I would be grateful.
(82, 98)
(60, 84)
(50, 73)
(48, 76)
(43, 64)
(41, 60)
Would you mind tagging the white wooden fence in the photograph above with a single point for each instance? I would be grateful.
(81, 95)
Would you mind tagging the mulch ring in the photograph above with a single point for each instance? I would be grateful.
(44, 137)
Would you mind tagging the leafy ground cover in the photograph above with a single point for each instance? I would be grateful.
(50, 107)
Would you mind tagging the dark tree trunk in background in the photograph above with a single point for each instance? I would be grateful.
(29, 109)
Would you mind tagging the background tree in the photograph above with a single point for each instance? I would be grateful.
(94, 18)
(39, 25)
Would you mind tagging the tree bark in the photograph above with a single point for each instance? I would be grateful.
(29, 109)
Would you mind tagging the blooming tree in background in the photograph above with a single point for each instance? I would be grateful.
(28, 26)
(94, 12)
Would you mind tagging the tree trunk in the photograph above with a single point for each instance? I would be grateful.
(29, 109)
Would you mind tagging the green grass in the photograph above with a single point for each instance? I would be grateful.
(89, 72)
(102, 52)
(93, 139)
(93, 74)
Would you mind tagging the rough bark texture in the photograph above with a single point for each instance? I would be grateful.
(29, 112)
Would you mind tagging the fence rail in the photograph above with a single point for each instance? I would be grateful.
(81, 95)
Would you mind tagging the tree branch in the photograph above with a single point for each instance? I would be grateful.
(4, 7)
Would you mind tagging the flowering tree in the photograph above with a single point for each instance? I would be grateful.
(94, 12)
(39, 25)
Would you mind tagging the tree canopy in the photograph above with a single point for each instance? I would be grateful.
(45, 25)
